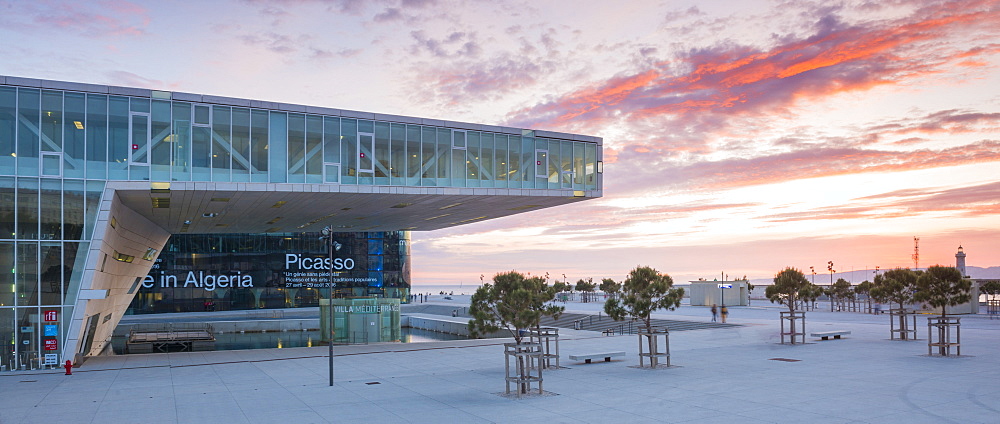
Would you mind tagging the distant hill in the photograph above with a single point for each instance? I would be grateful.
(977, 272)
(869, 274)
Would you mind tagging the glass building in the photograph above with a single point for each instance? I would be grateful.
(221, 272)
(95, 179)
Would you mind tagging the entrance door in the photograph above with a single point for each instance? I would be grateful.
(374, 330)
(88, 336)
(567, 179)
(331, 172)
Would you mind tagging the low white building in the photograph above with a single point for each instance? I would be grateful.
(729, 293)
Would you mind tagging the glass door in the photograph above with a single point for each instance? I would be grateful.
(331, 172)
(567, 179)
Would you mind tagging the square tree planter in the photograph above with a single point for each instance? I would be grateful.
(902, 324)
(548, 338)
(793, 332)
(654, 355)
(527, 358)
(942, 338)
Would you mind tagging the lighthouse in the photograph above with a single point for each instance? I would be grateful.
(960, 261)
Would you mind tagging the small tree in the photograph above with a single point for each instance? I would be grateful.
(808, 295)
(841, 291)
(895, 286)
(643, 292)
(560, 287)
(941, 287)
(787, 285)
(610, 287)
(512, 302)
(865, 288)
(586, 287)
(990, 289)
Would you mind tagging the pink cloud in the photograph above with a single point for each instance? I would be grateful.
(731, 81)
(945, 121)
(818, 161)
(463, 69)
(115, 18)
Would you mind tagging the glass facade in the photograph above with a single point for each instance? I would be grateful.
(263, 271)
(65, 134)
(44, 239)
(60, 147)
(360, 320)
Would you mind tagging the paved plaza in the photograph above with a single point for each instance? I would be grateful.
(720, 375)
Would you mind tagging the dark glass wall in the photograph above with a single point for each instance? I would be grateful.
(215, 272)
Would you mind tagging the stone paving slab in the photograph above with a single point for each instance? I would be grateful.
(724, 375)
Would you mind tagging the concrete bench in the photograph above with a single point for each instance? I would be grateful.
(825, 335)
(606, 355)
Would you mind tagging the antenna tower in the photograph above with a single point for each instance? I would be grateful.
(916, 253)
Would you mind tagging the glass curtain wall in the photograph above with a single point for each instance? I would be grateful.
(43, 242)
(213, 272)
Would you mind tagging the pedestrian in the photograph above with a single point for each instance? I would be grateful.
(715, 313)
(878, 308)
(725, 313)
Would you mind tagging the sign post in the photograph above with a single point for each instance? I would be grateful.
(722, 291)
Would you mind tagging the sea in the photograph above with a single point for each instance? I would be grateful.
(463, 289)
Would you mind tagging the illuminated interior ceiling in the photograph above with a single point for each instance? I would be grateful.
(204, 211)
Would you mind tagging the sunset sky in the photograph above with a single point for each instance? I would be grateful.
(740, 137)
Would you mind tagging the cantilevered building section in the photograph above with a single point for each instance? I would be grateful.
(95, 179)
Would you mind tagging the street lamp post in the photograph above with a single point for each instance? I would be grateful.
(812, 270)
(328, 236)
(830, 268)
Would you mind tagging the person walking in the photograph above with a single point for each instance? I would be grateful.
(725, 313)
(715, 313)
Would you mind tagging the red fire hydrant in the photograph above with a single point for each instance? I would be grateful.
(69, 367)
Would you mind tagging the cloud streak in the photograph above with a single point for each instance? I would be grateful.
(974, 201)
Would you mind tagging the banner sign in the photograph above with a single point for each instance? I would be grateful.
(297, 270)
